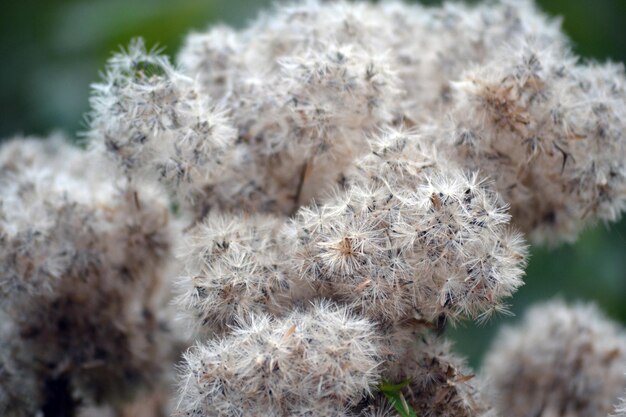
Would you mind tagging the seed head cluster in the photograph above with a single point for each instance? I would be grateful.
(409, 237)
(548, 130)
(438, 382)
(318, 196)
(563, 360)
(323, 357)
(81, 283)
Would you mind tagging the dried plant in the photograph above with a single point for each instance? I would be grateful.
(338, 182)
(562, 361)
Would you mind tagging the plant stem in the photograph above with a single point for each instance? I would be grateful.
(59, 401)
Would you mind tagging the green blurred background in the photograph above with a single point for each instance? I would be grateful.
(53, 49)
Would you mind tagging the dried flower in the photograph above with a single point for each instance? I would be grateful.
(320, 359)
(80, 278)
(561, 361)
(236, 267)
(341, 180)
(153, 121)
(550, 133)
(411, 238)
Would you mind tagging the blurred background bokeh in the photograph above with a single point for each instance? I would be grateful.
(51, 50)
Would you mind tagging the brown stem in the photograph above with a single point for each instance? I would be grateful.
(306, 170)
(59, 401)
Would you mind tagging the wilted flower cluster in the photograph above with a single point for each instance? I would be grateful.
(549, 132)
(82, 297)
(323, 358)
(339, 181)
(437, 382)
(562, 361)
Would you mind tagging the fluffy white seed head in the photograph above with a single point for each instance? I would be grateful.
(550, 132)
(154, 122)
(411, 238)
(237, 266)
(305, 84)
(81, 282)
(320, 359)
(561, 361)
(212, 58)
(434, 381)
(302, 99)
